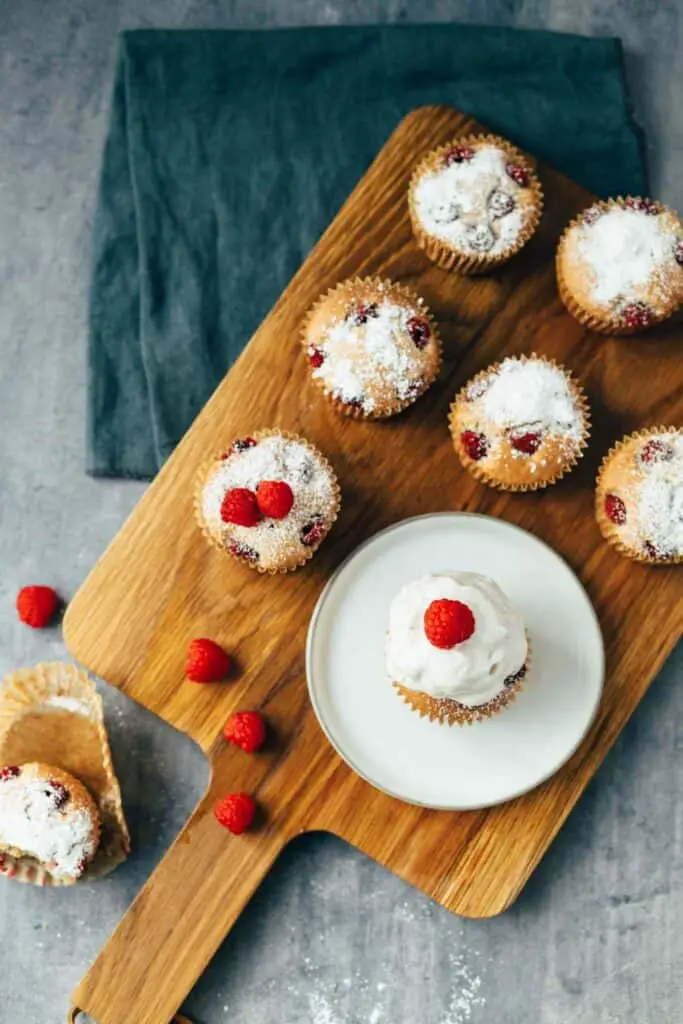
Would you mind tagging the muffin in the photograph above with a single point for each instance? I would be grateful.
(48, 815)
(269, 500)
(521, 424)
(639, 496)
(474, 203)
(456, 648)
(620, 265)
(372, 346)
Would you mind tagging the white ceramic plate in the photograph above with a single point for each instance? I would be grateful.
(424, 762)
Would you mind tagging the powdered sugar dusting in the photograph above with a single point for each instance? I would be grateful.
(474, 205)
(31, 821)
(630, 255)
(72, 704)
(273, 458)
(532, 395)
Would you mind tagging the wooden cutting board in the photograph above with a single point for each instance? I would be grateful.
(160, 584)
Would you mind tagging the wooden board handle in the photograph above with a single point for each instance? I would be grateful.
(150, 965)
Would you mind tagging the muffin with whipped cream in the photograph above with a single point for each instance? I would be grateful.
(456, 647)
(521, 424)
(639, 496)
(620, 265)
(269, 500)
(372, 346)
(50, 817)
(474, 203)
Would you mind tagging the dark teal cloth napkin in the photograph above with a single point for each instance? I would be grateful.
(228, 154)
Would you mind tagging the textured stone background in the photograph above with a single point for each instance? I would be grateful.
(331, 938)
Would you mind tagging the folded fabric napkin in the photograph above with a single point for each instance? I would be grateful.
(229, 153)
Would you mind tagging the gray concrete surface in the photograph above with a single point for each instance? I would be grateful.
(331, 938)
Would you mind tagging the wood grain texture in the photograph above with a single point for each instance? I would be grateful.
(160, 584)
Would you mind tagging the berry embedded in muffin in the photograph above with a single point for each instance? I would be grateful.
(620, 265)
(269, 500)
(456, 648)
(372, 346)
(521, 424)
(639, 496)
(49, 816)
(474, 203)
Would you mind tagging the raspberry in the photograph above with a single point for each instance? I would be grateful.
(476, 445)
(246, 729)
(362, 313)
(518, 173)
(615, 509)
(242, 443)
(239, 506)
(58, 794)
(418, 329)
(526, 443)
(656, 451)
(11, 771)
(37, 605)
(274, 498)
(637, 315)
(81, 866)
(235, 547)
(313, 532)
(315, 357)
(447, 623)
(678, 252)
(456, 154)
(642, 205)
(235, 812)
(652, 551)
(207, 662)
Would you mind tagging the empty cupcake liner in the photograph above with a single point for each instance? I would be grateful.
(439, 251)
(52, 714)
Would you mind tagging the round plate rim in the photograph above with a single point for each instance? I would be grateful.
(309, 655)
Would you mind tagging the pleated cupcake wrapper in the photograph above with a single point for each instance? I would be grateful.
(611, 325)
(32, 691)
(442, 253)
(451, 712)
(348, 289)
(608, 529)
(217, 541)
(478, 471)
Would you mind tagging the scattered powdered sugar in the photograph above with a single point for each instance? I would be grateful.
(628, 251)
(68, 704)
(373, 360)
(473, 205)
(532, 394)
(273, 458)
(31, 821)
(660, 506)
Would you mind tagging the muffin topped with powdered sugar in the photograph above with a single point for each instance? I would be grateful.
(372, 346)
(639, 496)
(620, 265)
(521, 424)
(474, 203)
(268, 500)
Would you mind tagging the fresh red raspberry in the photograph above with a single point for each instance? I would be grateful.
(637, 315)
(245, 729)
(615, 509)
(239, 506)
(678, 252)
(643, 205)
(274, 498)
(475, 445)
(447, 623)
(316, 357)
(207, 662)
(527, 443)
(37, 605)
(313, 532)
(235, 812)
(235, 547)
(457, 154)
(58, 793)
(656, 451)
(418, 329)
(518, 173)
(11, 771)
(361, 313)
